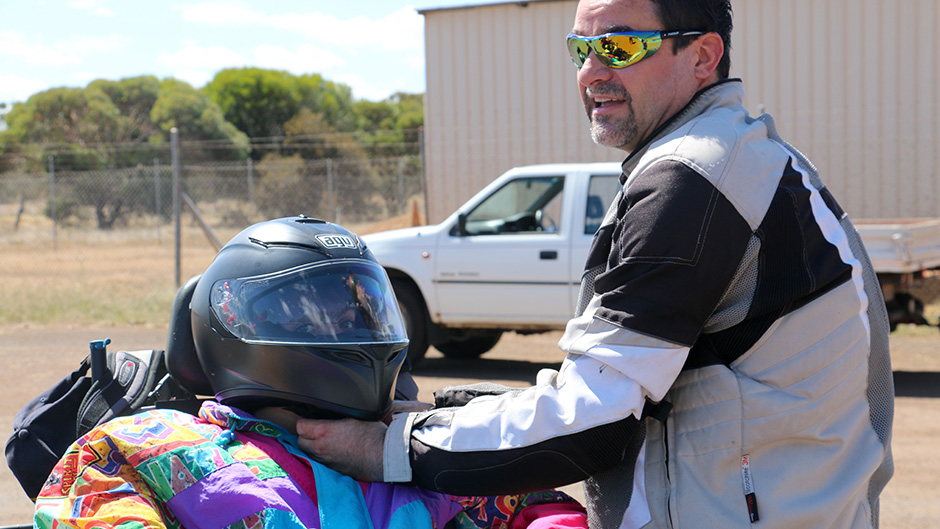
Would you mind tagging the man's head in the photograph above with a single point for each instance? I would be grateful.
(632, 89)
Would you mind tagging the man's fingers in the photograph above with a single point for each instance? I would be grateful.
(410, 406)
(313, 428)
(347, 445)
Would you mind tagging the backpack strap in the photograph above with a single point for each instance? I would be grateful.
(132, 381)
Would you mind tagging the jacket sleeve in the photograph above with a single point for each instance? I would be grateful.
(94, 484)
(667, 261)
(573, 423)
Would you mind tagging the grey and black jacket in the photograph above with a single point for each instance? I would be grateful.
(728, 296)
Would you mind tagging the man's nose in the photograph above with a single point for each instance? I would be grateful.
(593, 71)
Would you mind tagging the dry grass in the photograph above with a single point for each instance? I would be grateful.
(95, 277)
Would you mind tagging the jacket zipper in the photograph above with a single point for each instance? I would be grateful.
(668, 477)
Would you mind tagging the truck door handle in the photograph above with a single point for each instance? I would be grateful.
(548, 254)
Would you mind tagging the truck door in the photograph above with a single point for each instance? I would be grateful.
(589, 212)
(508, 259)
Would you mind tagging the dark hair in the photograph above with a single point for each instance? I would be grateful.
(701, 15)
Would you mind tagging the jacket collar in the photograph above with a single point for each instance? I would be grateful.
(724, 93)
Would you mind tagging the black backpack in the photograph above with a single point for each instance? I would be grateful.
(119, 383)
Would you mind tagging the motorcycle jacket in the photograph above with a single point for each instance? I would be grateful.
(727, 295)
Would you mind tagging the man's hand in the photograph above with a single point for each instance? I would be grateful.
(348, 446)
(409, 406)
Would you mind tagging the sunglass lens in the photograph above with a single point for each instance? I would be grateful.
(578, 49)
(618, 51)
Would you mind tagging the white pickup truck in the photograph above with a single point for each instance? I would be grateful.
(511, 258)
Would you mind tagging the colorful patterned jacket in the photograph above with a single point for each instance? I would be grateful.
(225, 468)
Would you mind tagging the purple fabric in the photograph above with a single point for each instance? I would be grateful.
(383, 499)
(223, 498)
(305, 509)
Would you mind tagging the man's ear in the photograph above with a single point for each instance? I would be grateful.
(709, 49)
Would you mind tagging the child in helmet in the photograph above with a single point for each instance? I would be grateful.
(294, 317)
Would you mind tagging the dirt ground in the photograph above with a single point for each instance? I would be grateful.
(37, 357)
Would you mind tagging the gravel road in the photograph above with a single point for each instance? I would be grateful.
(37, 357)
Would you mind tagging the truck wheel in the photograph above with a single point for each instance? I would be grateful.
(413, 312)
(472, 347)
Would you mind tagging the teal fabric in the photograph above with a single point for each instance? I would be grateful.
(411, 515)
(339, 497)
(278, 519)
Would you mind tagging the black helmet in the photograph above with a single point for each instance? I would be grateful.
(296, 312)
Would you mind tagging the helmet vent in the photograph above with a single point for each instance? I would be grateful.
(298, 246)
(303, 219)
(351, 356)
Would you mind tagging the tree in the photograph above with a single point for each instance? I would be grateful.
(133, 97)
(98, 127)
(333, 101)
(62, 121)
(284, 187)
(391, 126)
(261, 102)
(257, 101)
(310, 134)
(197, 119)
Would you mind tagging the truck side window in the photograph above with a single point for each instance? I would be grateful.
(524, 205)
(601, 192)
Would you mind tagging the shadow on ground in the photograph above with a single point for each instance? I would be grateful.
(917, 384)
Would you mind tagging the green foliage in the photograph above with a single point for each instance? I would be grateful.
(98, 126)
(127, 123)
(333, 101)
(262, 102)
(391, 126)
(258, 102)
(67, 209)
(284, 187)
(197, 117)
(111, 196)
(313, 137)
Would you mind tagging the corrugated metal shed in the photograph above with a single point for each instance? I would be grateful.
(852, 83)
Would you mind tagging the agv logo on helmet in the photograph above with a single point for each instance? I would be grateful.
(336, 241)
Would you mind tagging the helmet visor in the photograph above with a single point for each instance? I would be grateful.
(338, 301)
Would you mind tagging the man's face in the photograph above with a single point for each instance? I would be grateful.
(625, 105)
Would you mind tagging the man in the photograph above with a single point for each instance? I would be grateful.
(728, 360)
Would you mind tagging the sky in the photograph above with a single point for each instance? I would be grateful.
(376, 47)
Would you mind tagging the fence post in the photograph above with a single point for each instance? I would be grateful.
(53, 209)
(401, 185)
(329, 189)
(251, 185)
(175, 158)
(157, 200)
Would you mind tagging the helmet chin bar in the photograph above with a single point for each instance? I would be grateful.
(341, 381)
(328, 411)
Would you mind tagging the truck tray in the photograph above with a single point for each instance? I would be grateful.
(901, 246)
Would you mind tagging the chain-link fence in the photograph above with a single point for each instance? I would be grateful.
(66, 235)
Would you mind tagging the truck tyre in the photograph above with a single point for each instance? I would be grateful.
(415, 315)
(472, 347)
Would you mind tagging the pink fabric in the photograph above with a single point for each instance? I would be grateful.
(569, 515)
(298, 469)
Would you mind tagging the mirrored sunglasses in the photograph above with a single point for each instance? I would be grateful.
(619, 50)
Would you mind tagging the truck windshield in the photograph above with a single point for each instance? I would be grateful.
(531, 204)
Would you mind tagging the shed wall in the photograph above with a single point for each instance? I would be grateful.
(852, 83)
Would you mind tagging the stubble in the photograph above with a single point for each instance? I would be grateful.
(609, 130)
